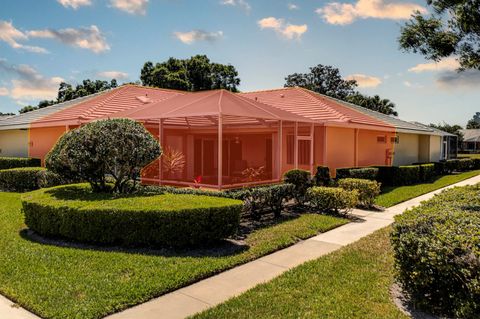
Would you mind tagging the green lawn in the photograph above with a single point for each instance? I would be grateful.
(393, 195)
(352, 282)
(67, 282)
(469, 155)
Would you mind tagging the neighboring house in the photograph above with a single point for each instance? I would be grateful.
(471, 141)
(14, 130)
(222, 139)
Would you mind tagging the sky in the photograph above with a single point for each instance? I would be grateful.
(45, 42)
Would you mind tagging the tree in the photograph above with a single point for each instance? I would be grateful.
(117, 147)
(323, 79)
(474, 123)
(373, 103)
(453, 29)
(197, 73)
(327, 80)
(452, 129)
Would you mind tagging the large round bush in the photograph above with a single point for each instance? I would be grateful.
(75, 212)
(119, 148)
(437, 253)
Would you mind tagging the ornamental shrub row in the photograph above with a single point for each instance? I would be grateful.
(76, 213)
(332, 199)
(14, 162)
(28, 178)
(367, 190)
(437, 253)
(260, 200)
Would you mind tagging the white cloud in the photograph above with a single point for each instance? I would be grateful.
(86, 38)
(118, 75)
(412, 85)
(4, 91)
(448, 64)
(292, 6)
(468, 79)
(131, 6)
(287, 30)
(346, 13)
(74, 4)
(365, 81)
(198, 35)
(238, 3)
(12, 36)
(28, 83)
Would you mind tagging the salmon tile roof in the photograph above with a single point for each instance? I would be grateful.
(210, 103)
(123, 98)
(314, 106)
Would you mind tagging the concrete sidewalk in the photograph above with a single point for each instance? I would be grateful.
(212, 291)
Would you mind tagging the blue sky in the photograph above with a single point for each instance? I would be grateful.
(45, 42)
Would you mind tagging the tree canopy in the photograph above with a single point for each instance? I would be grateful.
(474, 123)
(452, 129)
(375, 103)
(452, 29)
(323, 79)
(197, 73)
(67, 92)
(327, 80)
(119, 148)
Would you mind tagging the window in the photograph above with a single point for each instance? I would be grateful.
(394, 139)
(381, 139)
(290, 149)
(303, 151)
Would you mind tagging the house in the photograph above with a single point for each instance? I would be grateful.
(224, 140)
(471, 140)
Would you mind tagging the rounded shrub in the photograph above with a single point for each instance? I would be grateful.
(76, 213)
(301, 180)
(332, 199)
(367, 190)
(119, 148)
(28, 178)
(437, 253)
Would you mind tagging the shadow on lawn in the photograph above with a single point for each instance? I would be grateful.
(221, 249)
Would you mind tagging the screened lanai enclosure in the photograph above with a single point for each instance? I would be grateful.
(221, 140)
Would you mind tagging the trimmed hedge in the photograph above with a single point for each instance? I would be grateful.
(15, 162)
(332, 199)
(27, 179)
(301, 180)
(475, 163)
(400, 175)
(465, 164)
(370, 173)
(437, 253)
(367, 190)
(75, 213)
(427, 172)
(451, 165)
(322, 176)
